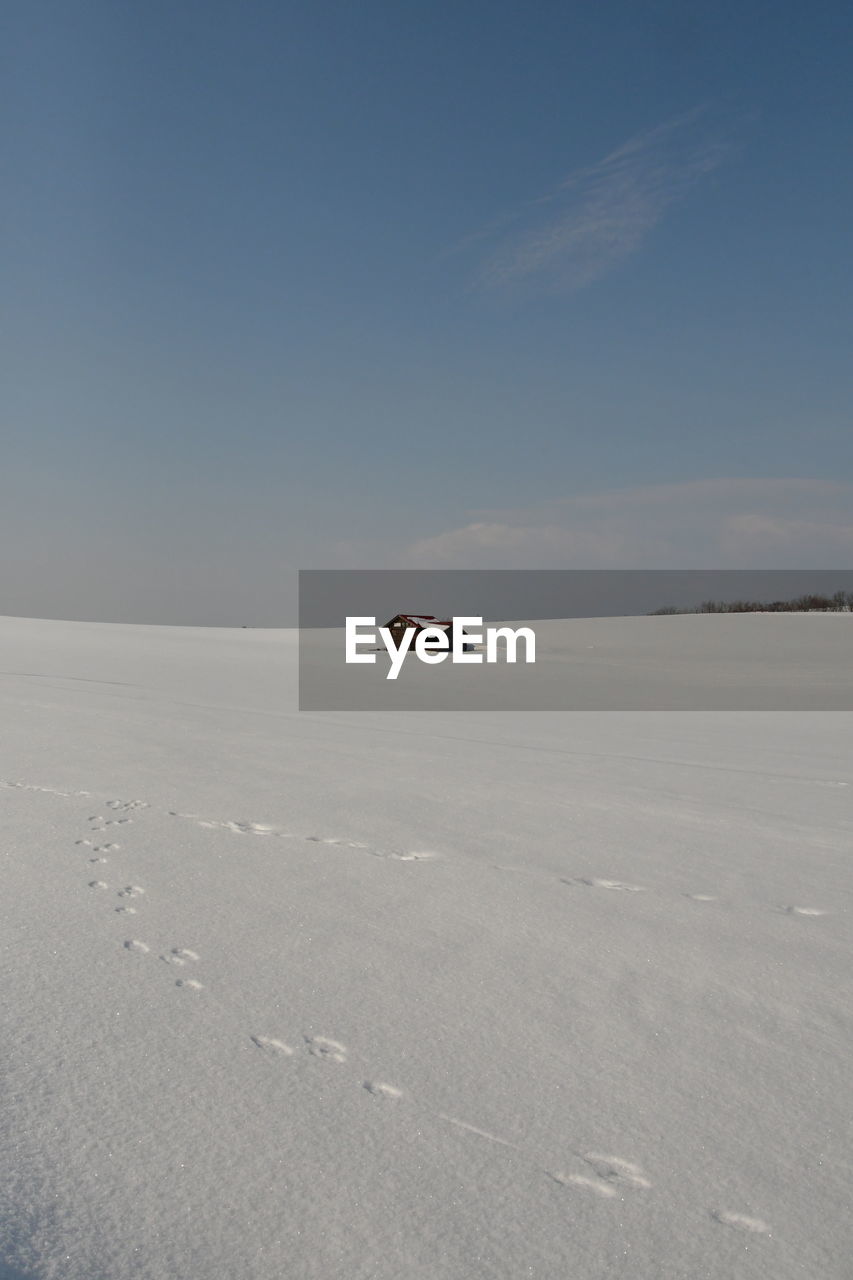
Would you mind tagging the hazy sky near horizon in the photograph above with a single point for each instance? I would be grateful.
(476, 284)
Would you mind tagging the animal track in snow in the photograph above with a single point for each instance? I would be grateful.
(337, 840)
(321, 1047)
(127, 804)
(264, 829)
(419, 856)
(128, 911)
(612, 1174)
(589, 1184)
(98, 884)
(133, 944)
(191, 983)
(608, 1176)
(240, 828)
(381, 1090)
(740, 1222)
(616, 1171)
(131, 891)
(275, 1047)
(180, 955)
(472, 1128)
(620, 885)
(48, 791)
(805, 911)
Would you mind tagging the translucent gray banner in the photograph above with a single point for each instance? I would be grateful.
(600, 640)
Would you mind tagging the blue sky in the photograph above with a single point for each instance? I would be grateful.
(460, 285)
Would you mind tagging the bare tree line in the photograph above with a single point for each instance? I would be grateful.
(841, 602)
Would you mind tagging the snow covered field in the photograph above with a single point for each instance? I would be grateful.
(413, 997)
(692, 662)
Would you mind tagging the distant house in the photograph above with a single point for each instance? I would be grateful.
(402, 622)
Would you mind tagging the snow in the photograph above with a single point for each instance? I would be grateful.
(389, 995)
(718, 662)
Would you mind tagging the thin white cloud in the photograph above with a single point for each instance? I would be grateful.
(601, 214)
(723, 523)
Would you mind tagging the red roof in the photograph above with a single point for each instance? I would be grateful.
(422, 620)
